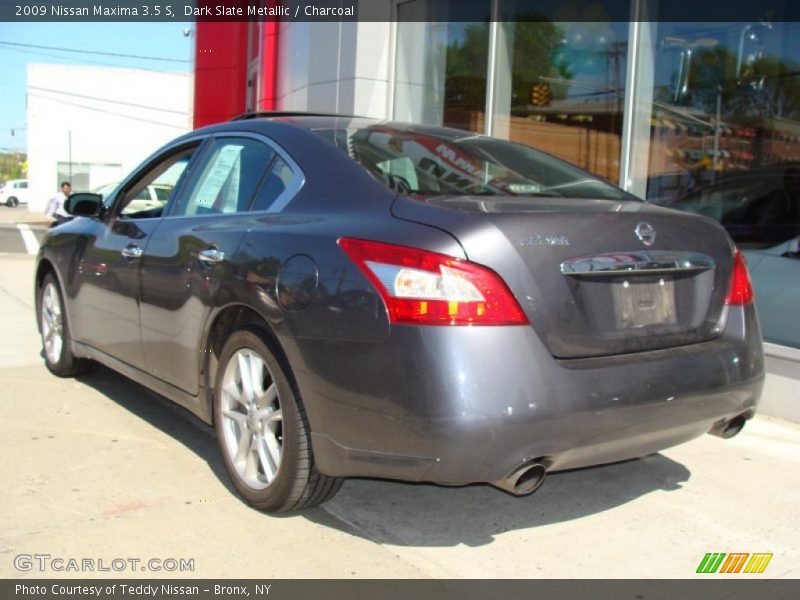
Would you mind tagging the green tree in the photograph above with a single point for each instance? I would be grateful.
(536, 52)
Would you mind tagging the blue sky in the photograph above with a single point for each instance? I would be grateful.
(164, 40)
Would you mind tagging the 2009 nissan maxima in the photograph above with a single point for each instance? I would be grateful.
(349, 297)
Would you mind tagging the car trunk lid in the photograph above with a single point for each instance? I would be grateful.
(595, 277)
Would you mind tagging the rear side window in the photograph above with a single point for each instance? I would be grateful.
(23, 185)
(276, 182)
(229, 177)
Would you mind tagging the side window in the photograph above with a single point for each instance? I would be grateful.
(142, 200)
(23, 185)
(275, 183)
(228, 178)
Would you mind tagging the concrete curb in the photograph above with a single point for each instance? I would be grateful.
(782, 387)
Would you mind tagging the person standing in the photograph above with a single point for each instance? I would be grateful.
(56, 207)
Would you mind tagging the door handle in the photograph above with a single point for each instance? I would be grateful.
(132, 251)
(211, 256)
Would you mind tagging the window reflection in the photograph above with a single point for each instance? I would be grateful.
(726, 101)
(560, 88)
(441, 64)
(725, 143)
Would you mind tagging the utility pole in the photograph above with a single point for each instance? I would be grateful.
(717, 127)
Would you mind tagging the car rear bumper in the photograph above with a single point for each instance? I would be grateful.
(461, 404)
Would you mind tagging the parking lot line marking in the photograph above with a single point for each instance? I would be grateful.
(31, 243)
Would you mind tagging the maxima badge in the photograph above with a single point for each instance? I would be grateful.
(545, 240)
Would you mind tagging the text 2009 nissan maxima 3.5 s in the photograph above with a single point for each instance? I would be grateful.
(348, 297)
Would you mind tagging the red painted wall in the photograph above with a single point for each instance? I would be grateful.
(220, 76)
(220, 71)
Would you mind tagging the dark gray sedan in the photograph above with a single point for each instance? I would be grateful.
(348, 297)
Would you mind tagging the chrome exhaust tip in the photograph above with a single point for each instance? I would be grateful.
(728, 429)
(523, 480)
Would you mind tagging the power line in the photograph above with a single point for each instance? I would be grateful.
(108, 112)
(120, 102)
(96, 52)
(82, 60)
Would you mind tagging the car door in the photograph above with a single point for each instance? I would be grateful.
(193, 251)
(106, 306)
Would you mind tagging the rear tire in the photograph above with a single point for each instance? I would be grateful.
(262, 428)
(12, 202)
(56, 339)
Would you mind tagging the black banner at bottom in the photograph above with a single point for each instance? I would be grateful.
(479, 589)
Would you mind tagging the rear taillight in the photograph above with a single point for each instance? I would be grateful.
(741, 291)
(428, 288)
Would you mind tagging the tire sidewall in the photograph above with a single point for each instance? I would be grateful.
(280, 488)
(12, 202)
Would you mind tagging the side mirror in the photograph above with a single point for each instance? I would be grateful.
(84, 204)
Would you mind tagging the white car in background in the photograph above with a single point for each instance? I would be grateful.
(14, 192)
(152, 196)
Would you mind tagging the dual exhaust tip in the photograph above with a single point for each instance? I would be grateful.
(728, 429)
(524, 480)
(529, 476)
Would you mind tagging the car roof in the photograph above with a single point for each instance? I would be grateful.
(321, 121)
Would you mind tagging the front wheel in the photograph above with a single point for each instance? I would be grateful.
(262, 429)
(56, 339)
(12, 202)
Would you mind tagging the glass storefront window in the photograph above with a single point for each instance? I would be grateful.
(703, 117)
(560, 87)
(724, 141)
(440, 68)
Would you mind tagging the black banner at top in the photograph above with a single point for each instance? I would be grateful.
(399, 10)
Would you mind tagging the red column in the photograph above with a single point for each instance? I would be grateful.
(267, 98)
(220, 72)
(221, 66)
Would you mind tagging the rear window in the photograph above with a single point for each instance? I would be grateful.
(428, 161)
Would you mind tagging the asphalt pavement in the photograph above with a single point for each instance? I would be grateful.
(100, 468)
(20, 231)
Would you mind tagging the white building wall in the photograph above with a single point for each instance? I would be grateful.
(113, 116)
(335, 67)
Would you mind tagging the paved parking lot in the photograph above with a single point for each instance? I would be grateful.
(100, 468)
(20, 231)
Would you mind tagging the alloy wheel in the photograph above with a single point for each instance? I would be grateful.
(252, 426)
(52, 323)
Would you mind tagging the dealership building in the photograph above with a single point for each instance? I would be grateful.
(91, 125)
(700, 116)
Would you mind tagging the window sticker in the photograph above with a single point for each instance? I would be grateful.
(221, 173)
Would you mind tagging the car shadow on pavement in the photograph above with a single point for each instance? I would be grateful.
(426, 515)
(162, 414)
(422, 515)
